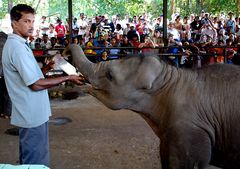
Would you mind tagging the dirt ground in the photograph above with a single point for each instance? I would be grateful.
(96, 138)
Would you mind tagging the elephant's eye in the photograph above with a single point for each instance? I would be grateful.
(109, 75)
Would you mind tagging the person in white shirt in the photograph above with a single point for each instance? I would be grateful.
(82, 23)
(45, 43)
(6, 24)
(51, 32)
(208, 29)
(44, 26)
(173, 31)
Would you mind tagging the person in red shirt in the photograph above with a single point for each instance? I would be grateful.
(139, 28)
(135, 43)
(61, 31)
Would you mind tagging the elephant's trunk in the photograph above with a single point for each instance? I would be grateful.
(87, 68)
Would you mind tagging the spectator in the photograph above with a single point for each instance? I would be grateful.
(88, 47)
(53, 41)
(177, 24)
(104, 56)
(82, 23)
(208, 30)
(81, 43)
(66, 42)
(118, 32)
(173, 45)
(61, 31)
(75, 41)
(75, 28)
(99, 43)
(31, 42)
(135, 43)
(51, 31)
(220, 52)
(146, 28)
(6, 24)
(45, 44)
(125, 43)
(67, 27)
(44, 26)
(132, 33)
(196, 26)
(158, 25)
(230, 24)
(173, 31)
(157, 39)
(135, 21)
(222, 36)
(147, 45)
(186, 29)
(125, 30)
(230, 51)
(139, 28)
(114, 51)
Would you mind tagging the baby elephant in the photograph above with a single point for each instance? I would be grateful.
(195, 113)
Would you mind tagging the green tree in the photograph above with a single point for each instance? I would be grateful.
(123, 7)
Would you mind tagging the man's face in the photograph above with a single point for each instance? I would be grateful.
(82, 16)
(24, 27)
(45, 38)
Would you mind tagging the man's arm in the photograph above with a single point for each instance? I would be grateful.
(42, 84)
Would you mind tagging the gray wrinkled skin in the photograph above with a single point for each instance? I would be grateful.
(195, 113)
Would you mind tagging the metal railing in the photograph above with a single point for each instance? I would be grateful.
(159, 51)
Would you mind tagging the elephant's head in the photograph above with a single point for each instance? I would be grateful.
(119, 84)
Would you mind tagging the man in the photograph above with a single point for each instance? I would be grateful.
(230, 24)
(43, 26)
(196, 26)
(75, 28)
(61, 31)
(27, 88)
(45, 43)
(209, 30)
(82, 23)
(173, 31)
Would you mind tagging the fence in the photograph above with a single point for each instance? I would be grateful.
(173, 54)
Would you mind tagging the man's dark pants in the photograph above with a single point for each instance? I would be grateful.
(34, 145)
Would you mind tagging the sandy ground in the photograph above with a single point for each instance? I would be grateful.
(96, 138)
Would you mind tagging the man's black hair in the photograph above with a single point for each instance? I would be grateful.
(16, 11)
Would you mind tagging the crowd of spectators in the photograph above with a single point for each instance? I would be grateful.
(103, 38)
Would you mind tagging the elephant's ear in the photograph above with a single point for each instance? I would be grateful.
(147, 73)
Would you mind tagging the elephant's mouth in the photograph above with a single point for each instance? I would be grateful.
(96, 91)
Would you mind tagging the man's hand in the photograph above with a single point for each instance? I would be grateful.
(79, 80)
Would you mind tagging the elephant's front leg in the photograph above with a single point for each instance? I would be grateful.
(185, 149)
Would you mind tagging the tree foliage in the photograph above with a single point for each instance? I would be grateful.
(123, 7)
